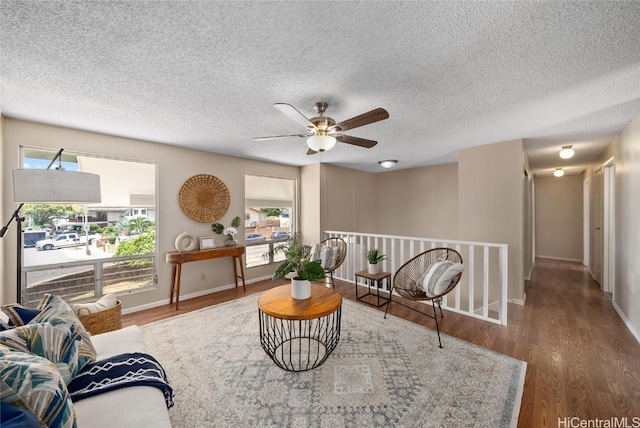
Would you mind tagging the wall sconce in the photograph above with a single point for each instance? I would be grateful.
(558, 172)
(389, 163)
(566, 152)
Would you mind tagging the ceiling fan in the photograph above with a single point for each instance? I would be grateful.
(323, 132)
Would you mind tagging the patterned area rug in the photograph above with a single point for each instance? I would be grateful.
(384, 373)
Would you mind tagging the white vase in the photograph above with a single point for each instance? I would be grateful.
(300, 289)
(373, 269)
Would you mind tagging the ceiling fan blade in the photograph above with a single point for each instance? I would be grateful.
(311, 152)
(294, 114)
(362, 142)
(372, 116)
(275, 137)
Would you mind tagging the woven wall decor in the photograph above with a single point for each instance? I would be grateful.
(204, 198)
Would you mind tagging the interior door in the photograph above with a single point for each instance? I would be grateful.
(597, 223)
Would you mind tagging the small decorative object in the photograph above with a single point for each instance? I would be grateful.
(207, 242)
(204, 198)
(230, 232)
(297, 259)
(186, 242)
(373, 258)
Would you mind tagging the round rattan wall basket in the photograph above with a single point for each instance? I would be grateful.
(204, 198)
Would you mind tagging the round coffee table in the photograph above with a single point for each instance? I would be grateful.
(299, 335)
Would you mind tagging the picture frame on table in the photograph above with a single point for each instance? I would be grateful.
(207, 242)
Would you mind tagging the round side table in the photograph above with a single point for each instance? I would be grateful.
(299, 335)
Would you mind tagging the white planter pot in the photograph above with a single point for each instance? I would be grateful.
(373, 269)
(300, 289)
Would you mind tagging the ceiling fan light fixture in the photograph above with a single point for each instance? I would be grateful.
(321, 143)
(558, 172)
(388, 163)
(566, 152)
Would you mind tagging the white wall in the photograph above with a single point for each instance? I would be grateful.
(175, 166)
(627, 206)
(490, 202)
(559, 216)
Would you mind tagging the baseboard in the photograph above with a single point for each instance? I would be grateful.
(189, 296)
(528, 276)
(626, 321)
(563, 259)
(518, 301)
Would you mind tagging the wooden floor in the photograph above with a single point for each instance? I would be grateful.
(582, 360)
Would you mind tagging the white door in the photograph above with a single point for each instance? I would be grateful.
(596, 265)
(608, 242)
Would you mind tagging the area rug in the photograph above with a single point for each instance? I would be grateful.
(383, 373)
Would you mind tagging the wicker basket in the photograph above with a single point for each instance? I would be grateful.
(103, 321)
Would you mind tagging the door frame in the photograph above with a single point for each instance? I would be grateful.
(609, 216)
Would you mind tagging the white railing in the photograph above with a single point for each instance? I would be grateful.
(482, 291)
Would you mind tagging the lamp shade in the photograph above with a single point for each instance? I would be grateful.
(55, 186)
(558, 172)
(321, 143)
(566, 152)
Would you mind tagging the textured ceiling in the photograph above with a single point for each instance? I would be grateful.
(205, 75)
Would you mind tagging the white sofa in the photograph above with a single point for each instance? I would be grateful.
(136, 406)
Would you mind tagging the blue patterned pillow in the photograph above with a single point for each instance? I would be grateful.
(19, 315)
(55, 333)
(34, 383)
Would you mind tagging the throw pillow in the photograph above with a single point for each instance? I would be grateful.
(105, 302)
(445, 279)
(432, 275)
(55, 333)
(13, 416)
(34, 383)
(19, 315)
(326, 255)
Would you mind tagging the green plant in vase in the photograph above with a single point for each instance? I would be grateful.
(230, 231)
(298, 260)
(373, 258)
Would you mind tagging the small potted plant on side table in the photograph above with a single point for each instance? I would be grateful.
(373, 258)
(297, 259)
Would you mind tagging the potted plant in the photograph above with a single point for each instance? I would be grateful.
(230, 232)
(373, 258)
(298, 260)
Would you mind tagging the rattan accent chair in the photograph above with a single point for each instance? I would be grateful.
(342, 254)
(407, 281)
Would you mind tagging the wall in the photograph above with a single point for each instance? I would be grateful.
(420, 202)
(490, 202)
(310, 226)
(559, 216)
(175, 166)
(626, 152)
(5, 189)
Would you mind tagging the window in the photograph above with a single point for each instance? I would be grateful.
(269, 215)
(85, 251)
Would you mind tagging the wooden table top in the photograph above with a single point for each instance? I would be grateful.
(278, 303)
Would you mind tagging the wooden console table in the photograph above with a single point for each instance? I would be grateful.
(177, 258)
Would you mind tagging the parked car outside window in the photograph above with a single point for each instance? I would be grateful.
(254, 237)
(280, 235)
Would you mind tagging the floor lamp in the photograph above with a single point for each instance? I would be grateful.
(41, 186)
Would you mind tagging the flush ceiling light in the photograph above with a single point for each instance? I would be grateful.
(321, 142)
(566, 152)
(558, 172)
(389, 163)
